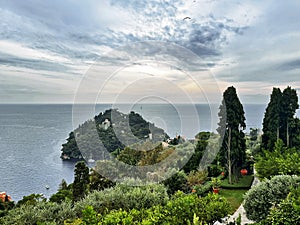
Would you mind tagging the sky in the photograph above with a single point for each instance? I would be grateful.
(181, 51)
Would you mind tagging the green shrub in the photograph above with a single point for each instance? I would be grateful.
(89, 216)
(282, 161)
(287, 212)
(266, 194)
(40, 213)
(5, 207)
(209, 209)
(214, 170)
(122, 217)
(61, 195)
(202, 189)
(196, 178)
(182, 209)
(125, 197)
(32, 199)
(177, 182)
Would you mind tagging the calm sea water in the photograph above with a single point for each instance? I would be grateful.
(31, 138)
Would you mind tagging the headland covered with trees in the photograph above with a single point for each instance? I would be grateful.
(187, 193)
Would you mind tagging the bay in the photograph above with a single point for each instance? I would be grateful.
(31, 137)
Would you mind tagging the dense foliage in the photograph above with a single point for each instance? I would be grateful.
(123, 205)
(81, 181)
(5, 206)
(231, 125)
(115, 131)
(121, 196)
(279, 121)
(282, 160)
(181, 209)
(202, 142)
(287, 212)
(176, 182)
(125, 197)
(267, 194)
(41, 212)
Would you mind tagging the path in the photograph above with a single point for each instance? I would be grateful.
(241, 209)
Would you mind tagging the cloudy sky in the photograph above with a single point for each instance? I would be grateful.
(171, 51)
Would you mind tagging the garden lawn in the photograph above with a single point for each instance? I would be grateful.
(234, 197)
(244, 183)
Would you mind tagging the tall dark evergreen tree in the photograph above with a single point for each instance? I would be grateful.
(81, 181)
(279, 121)
(294, 133)
(289, 107)
(232, 123)
(271, 122)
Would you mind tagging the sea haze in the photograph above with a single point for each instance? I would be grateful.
(31, 137)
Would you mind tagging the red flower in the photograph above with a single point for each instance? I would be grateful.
(244, 172)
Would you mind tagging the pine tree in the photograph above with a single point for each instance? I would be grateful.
(232, 123)
(81, 181)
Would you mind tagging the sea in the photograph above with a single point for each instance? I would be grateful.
(31, 137)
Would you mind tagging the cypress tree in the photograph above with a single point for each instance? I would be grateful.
(289, 107)
(81, 181)
(294, 133)
(232, 123)
(279, 121)
(271, 121)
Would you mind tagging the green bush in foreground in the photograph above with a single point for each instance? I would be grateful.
(182, 209)
(203, 189)
(122, 196)
(123, 205)
(209, 209)
(287, 212)
(125, 197)
(282, 161)
(268, 193)
(40, 213)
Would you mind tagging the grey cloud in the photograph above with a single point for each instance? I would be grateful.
(10, 60)
(291, 65)
(177, 56)
(265, 73)
(150, 8)
(75, 30)
(54, 33)
(202, 39)
(55, 13)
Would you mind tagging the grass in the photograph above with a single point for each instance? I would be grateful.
(234, 197)
(234, 192)
(244, 183)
